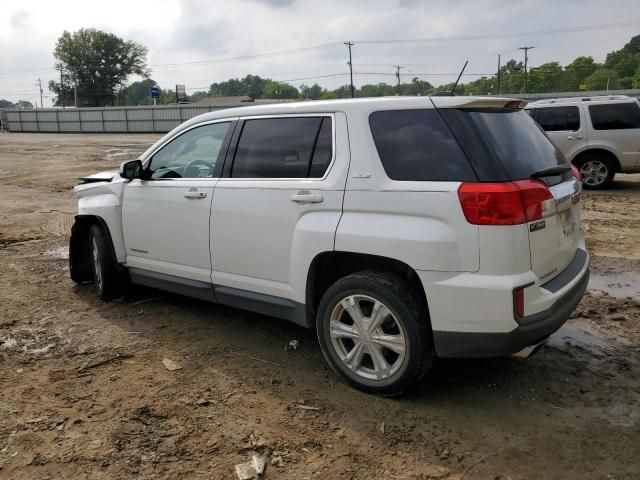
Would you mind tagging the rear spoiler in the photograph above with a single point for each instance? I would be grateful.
(478, 102)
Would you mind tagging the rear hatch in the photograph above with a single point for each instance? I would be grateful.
(506, 147)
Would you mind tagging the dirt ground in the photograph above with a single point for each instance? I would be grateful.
(84, 392)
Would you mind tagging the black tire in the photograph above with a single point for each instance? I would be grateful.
(79, 255)
(409, 317)
(602, 165)
(107, 277)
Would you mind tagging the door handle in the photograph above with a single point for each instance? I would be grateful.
(194, 193)
(305, 196)
(577, 137)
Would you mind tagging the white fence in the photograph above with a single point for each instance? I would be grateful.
(161, 118)
(147, 119)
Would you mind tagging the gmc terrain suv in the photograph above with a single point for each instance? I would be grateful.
(599, 135)
(401, 228)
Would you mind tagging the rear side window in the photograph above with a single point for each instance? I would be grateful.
(291, 147)
(503, 144)
(418, 145)
(558, 119)
(615, 116)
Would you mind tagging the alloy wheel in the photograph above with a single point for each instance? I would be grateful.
(96, 264)
(594, 172)
(367, 337)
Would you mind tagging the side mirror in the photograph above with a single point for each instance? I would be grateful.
(131, 169)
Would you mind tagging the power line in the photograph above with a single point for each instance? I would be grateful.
(583, 28)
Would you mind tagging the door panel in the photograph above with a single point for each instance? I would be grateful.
(266, 231)
(166, 217)
(166, 226)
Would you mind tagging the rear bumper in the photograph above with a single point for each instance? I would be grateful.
(493, 344)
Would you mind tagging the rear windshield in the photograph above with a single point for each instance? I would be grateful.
(418, 145)
(503, 144)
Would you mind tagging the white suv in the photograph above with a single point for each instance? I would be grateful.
(600, 135)
(400, 228)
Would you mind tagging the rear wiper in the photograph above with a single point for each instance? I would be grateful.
(551, 171)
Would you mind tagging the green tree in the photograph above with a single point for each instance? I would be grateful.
(138, 93)
(602, 79)
(482, 86)
(99, 62)
(312, 93)
(23, 104)
(416, 87)
(5, 103)
(328, 96)
(376, 90)
(548, 77)
(635, 83)
(576, 73)
(251, 85)
(279, 90)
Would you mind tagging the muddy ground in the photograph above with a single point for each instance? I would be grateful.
(84, 392)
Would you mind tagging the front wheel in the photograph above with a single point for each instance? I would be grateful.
(106, 277)
(373, 331)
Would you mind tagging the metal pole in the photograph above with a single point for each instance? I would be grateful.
(75, 88)
(39, 84)
(398, 67)
(498, 87)
(350, 44)
(61, 87)
(526, 60)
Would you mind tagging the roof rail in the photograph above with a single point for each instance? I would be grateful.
(581, 99)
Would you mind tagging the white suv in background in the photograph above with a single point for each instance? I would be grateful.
(600, 135)
(400, 228)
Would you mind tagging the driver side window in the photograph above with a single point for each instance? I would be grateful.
(191, 155)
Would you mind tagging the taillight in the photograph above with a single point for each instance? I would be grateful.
(576, 173)
(509, 203)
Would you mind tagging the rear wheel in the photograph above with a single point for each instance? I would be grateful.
(596, 171)
(106, 276)
(373, 331)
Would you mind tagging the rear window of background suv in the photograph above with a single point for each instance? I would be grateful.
(615, 116)
(449, 144)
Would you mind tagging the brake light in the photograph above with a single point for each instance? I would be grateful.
(576, 173)
(509, 203)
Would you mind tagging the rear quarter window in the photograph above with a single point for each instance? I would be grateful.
(418, 145)
(558, 119)
(615, 116)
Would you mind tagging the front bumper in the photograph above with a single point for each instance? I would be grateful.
(495, 344)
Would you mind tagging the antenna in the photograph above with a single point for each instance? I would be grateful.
(458, 79)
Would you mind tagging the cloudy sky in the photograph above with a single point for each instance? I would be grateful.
(185, 38)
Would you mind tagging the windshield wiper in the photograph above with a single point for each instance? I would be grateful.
(551, 171)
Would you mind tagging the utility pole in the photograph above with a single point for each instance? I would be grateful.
(398, 67)
(498, 86)
(61, 87)
(39, 84)
(350, 44)
(75, 88)
(526, 59)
